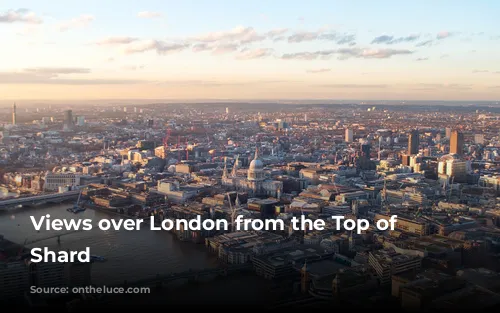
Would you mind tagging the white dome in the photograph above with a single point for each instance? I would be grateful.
(256, 164)
(256, 168)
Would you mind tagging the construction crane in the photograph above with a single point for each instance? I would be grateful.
(166, 138)
(178, 148)
(234, 210)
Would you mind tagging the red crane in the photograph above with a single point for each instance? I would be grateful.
(178, 148)
(166, 138)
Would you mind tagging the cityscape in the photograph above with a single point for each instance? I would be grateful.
(266, 149)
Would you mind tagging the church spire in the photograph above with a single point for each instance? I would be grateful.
(224, 172)
(235, 166)
(256, 153)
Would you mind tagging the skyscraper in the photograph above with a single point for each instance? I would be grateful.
(479, 139)
(14, 117)
(457, 142)
(80, 120)
(68, 119)
(348, 135)
(365, 150)
(413, 142)
(447, 132)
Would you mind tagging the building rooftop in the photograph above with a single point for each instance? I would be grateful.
(389, 257)
(296, 255)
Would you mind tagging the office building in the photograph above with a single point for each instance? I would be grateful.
(68, 120)
(448, 132)
(53, 181)
(407, 225)
(479, 139)
(365, 150)
(80, 120)
(413, 142)
(457, 142)
(388, 262)
(452, 166)
(349, 135)
(14, 117)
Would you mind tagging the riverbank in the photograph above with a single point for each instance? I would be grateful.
(131, 255)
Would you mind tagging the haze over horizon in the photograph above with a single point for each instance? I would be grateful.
(193, 50)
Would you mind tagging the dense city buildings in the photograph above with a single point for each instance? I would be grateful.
(269, 163)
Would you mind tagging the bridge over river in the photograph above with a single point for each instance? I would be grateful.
(38, 200)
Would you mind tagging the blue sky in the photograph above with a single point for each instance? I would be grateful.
(250, 49)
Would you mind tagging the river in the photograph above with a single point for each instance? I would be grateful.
(130, 254)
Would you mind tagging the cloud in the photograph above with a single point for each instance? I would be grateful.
(444, 56)
(390, 40)
(254, 54)
(215, 83)
(20, 16)
(304, 36)
(149, 14)
(272, 34)
(346, 53)
(444, 34)
(421, 59)
(308, 55)
(116, 41)
(225, 48)
(480, 71)
(382, 39)
(373, 53)
(78, 22)
(238, 34)
(457, 87)
(133, 67)
(426, 43)
(199, 47)
(343, 86)
(57, 70)
(279, 38)
(320, 70)
(233, 40)
(52, 76)
(161, 47)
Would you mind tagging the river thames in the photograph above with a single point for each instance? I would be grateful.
(130, 255)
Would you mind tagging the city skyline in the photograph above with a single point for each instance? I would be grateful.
(257, 50)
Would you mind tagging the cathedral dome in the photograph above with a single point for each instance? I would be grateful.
(256, 168)
(256, 164)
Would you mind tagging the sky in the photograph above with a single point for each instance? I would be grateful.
(242, 50)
